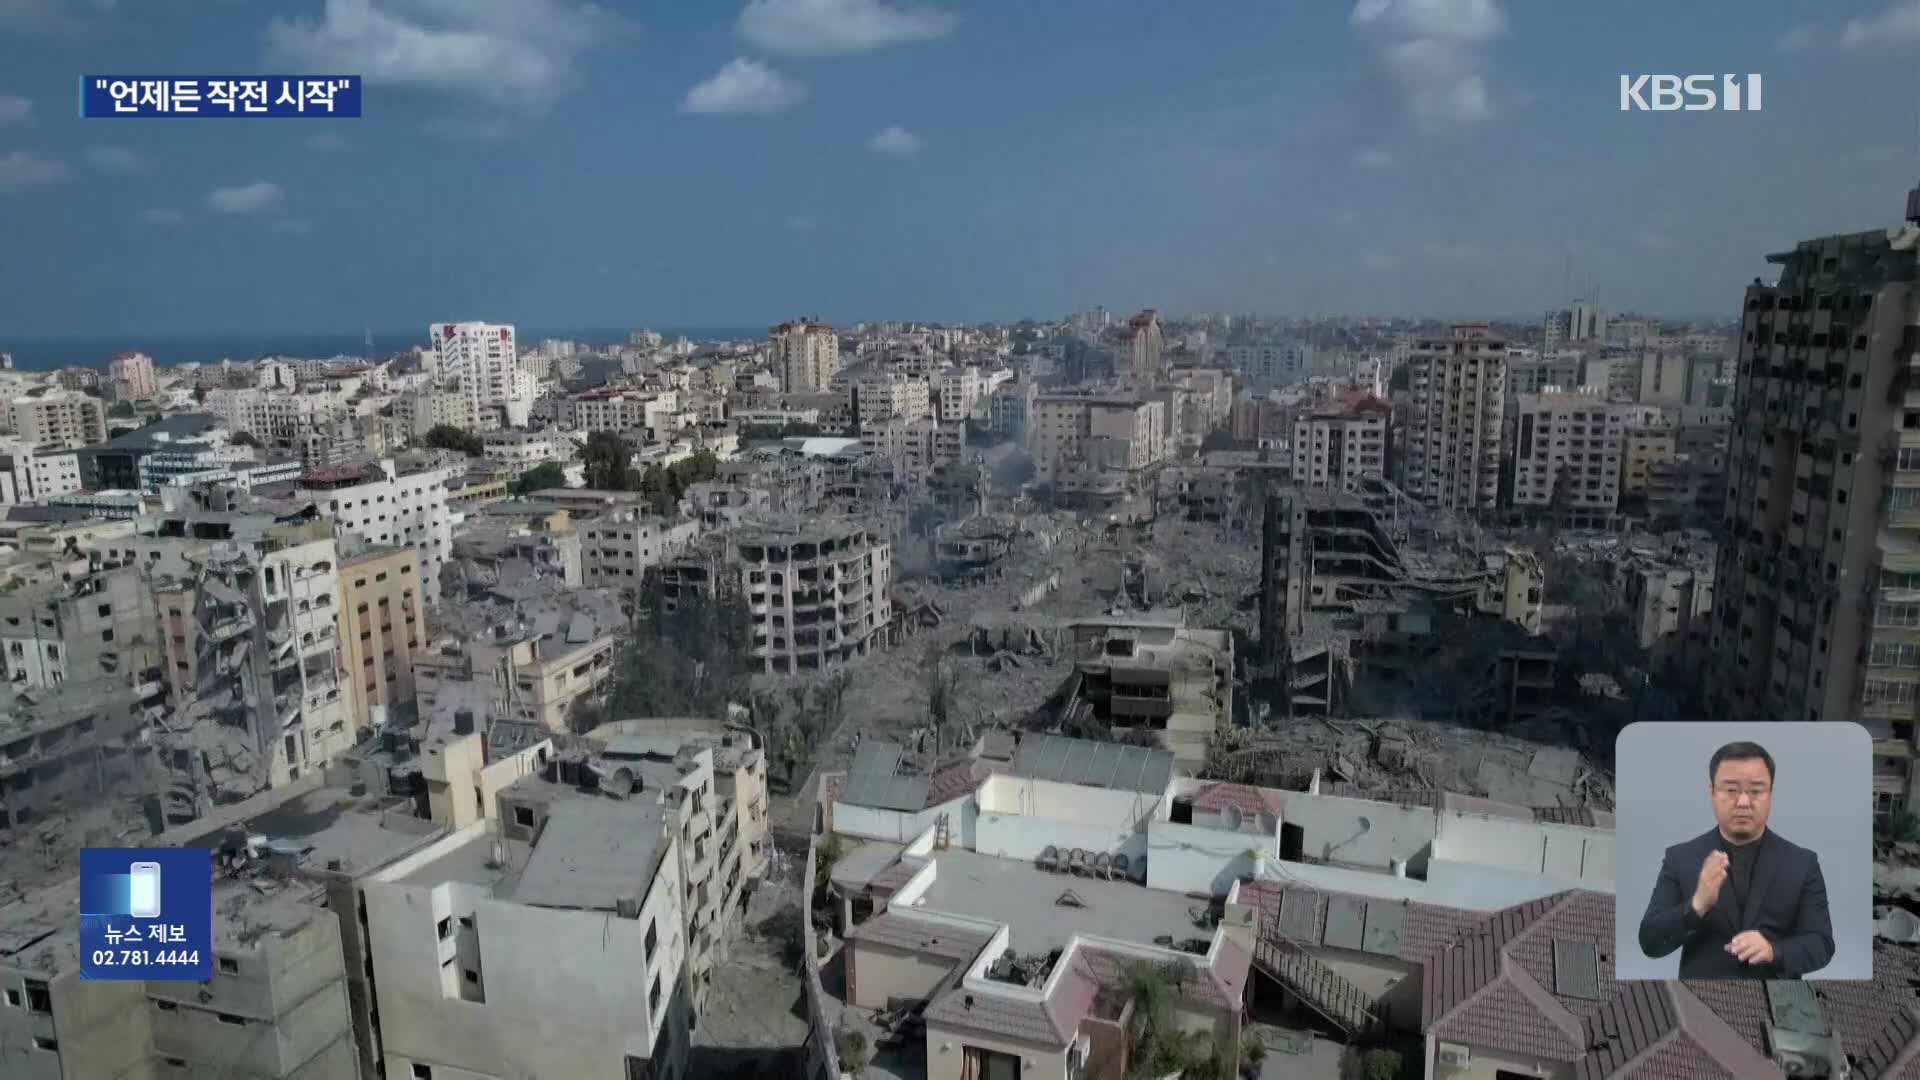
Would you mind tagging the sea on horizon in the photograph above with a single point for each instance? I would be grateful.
(42, 354)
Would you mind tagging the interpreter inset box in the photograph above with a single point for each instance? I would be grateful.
(1743, 851)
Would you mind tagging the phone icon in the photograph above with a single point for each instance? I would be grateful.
(144, 890)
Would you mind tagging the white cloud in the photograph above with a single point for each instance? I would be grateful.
(1432, 48)
(1651, 239)
(1378, 261)
(15, 110)
(22, 169)
(293, 226)
(115, 159)
(1442, 86)
(838, 27)
(162, 217)
(326, 142)
(1798, 38)
(1451, 20)
(1897, 25)
(799, 223)
(246, 198)
(744, 87)
(1373, 158)
(897, 141)
(488, 62)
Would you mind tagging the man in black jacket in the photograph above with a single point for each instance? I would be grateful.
(1739, 901)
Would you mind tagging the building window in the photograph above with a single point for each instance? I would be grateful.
(653, 996)
(422, 1072)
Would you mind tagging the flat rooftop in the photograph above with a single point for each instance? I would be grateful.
(321, 825)
(1025, 898)
(472, 863)
(593, 852)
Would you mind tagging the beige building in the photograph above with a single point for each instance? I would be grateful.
(1576, 438)
(1069, 429)
(916, 447)
(806, 355)
(420, 411)
(1645, 448)
(132, 376)
(887, 397)
(1456, 401)
(524, 674)
(1334, 449)
(619, 547)
(1156, 675)
(1820, 576)
(384, 611)
(59, 419)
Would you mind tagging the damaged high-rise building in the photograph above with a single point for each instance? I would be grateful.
(250, 617)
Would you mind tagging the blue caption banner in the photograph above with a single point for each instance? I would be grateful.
(103, 96)
(146, 913)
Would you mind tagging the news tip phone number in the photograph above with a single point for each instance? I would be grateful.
(145, 957)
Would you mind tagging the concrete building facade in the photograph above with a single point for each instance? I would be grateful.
(59, 420)
(1818, 612)
(805, 355)
(383, 609)
(1456, 402)
(1577, 439)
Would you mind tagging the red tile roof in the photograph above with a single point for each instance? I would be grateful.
(1243, 797)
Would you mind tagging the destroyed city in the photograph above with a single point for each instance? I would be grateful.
(628, 546)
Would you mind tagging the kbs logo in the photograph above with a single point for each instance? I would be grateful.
(1688, 93)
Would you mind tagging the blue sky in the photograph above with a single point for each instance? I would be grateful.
(723, 162)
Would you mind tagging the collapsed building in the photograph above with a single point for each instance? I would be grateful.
(248, 618)
(83, 682)
(1151, 674)
(1339, 594)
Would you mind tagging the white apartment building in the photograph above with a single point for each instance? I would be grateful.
(1573, 324)
(1333, 450)
(27, 477)
(522, 450)
(805, 355)
(59, 420)
(878, 399)
(132, 376)
(1457, 399)
(275, 416)
(557, 947)
(617, 549)
(1579, 435)
(1271, 361)
(387, 506)
(619, 410)
(915, 447)
(959, 394)
(481, 360)
(1144, 342)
